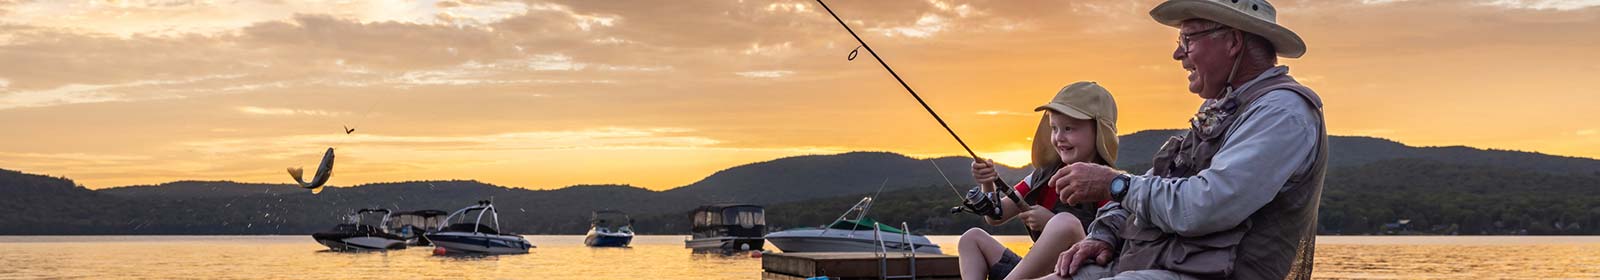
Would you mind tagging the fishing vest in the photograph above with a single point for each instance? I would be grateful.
(1040, 179)
(1275, 242)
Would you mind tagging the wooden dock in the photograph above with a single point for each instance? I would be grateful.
(850, 266)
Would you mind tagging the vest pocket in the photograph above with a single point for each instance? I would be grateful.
(1211, 255)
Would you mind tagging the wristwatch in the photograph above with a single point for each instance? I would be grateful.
(1119, 187)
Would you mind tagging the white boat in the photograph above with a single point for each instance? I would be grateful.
(609, 228)
(727, 227)
(476, 236)
(353, 235)
(861, 234)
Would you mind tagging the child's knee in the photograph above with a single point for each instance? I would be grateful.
(1065, 222)
(973, 234)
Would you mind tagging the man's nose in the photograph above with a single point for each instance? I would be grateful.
(1178, 53)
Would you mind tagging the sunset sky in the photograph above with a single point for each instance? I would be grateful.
(658, 94)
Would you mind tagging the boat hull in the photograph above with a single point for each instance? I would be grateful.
(726, 243)
(355, 243)
(607, 240)
(479, 243)
(815, 240)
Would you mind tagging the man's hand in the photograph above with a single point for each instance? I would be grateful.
(983, 172)
(1036, 217)
(1084, 182)
(1080, 254)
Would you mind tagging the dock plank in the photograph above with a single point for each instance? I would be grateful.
(856, 265)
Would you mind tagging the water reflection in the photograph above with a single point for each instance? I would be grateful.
(664, 257)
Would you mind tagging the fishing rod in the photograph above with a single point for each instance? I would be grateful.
(967, 205)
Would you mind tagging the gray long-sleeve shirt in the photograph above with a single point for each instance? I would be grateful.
(1274, 140)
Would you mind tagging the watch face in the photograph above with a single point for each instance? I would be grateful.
(1119, 185)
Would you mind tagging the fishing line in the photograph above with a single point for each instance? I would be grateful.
(1001, 186)
(897, 78)
(946, 178)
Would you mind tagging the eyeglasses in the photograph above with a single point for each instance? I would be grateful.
(1185, 39)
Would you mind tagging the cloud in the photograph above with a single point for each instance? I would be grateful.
(773, 49)
(1561, 5)
(252, 110)
(926, 26)
(592, 138)
(81, 93)
(132, 18)
(765, 74)
(1003, 113)
(1587, 132)
(584, 21)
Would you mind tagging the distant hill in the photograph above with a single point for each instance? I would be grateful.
(1138, 149)
(1372, 182)
(201, 189)
(818, 176)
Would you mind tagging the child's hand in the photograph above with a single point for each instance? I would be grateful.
(983, 171)
(1036, 217)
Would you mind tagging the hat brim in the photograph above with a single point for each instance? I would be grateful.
(1174, 12)
(1066, 110)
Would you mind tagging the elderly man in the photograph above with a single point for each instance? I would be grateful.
(1236, 195)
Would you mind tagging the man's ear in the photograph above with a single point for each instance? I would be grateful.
(1236, 44)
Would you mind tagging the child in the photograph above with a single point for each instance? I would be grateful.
(1079, 125)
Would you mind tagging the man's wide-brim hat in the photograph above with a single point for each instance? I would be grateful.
(1084, 101)
(1253, 16)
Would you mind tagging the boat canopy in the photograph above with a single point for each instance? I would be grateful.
(742, 215)
(421, 219)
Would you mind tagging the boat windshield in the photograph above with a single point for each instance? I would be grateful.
(863, 224)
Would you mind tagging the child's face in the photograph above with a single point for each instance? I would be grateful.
(1073, 138)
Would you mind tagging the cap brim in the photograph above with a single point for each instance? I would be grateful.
(1174, 12)
(1064, 109)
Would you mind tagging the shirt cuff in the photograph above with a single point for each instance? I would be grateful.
(1138, 198)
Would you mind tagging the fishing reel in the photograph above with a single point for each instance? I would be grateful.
(979, 202)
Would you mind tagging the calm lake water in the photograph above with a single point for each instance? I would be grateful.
(663, 257)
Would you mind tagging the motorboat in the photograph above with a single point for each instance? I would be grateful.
(727, 227)
(466, 231)
(861, 234)
(609, 228)
(354, 235)
(412, 225)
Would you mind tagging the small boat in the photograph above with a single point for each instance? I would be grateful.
(861, 234)
(457, 234)
(354, 235)
(412, 225)
(727, 227)
(609, 228)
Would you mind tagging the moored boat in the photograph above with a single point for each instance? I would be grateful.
(860, 234)
(459, 234)
(609, 228)
(727, 227)
(354, 235)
